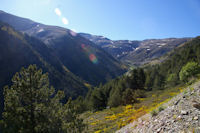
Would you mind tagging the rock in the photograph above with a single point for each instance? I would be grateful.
(177, 102)
(183, 112)
(197, 105)
(158, 130)
(195, 118)
(189, 119)
(179, 117)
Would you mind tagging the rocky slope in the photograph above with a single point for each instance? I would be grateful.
(181, 115)
(136, 52)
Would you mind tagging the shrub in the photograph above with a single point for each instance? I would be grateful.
(189, 70)
(160, 108)
(154, 113)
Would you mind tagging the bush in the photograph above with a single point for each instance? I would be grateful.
(154, 113)
(191, 69)
(160, 108)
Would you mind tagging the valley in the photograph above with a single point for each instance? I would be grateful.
(53, 79)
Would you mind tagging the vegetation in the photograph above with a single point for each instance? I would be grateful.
(140, 82)
(31, 105)
(191, 69)
(154, 113)
(112, 119)
(161, 108)
(19, 50)
(121, 91)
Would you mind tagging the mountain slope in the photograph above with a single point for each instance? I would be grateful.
(81, 56)
(180, 115)
(18, 50)
(136, 52)
(162, 81)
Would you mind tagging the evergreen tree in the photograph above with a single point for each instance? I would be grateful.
(32, 106)
(115, 98)
(128, 97)
(158, 82)
(98, 100)
(141, 79)
(148, 82)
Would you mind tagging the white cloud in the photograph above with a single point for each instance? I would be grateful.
(65, 21)
(58, 12)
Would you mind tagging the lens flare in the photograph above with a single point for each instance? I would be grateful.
(58, 12)
(93, 58)
(83, 46)
(65, 21)
(90, 54)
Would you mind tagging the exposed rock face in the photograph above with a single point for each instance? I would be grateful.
(180, 116)
(135, 52)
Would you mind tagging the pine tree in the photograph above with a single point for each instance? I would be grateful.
(32, 106)
(98, 100)
(128, 97)
(115, 98)
(141, 79)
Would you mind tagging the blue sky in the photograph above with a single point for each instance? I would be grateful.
(115, 19)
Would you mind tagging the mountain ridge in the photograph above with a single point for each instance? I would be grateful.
(135, 52)
(74, 51)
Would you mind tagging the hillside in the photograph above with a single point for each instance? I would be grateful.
(143, 89)
(136, 52)
(18, 50)
(180, 114)
(81, 56)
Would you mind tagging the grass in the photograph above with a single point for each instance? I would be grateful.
(110, 120)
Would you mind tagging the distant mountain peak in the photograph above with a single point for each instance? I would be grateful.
(134, 52)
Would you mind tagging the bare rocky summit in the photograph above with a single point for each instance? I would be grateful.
(135, 52)
(181, 115)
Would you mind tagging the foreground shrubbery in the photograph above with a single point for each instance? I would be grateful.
(32, 106)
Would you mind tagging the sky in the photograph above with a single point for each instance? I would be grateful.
(115, 19)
